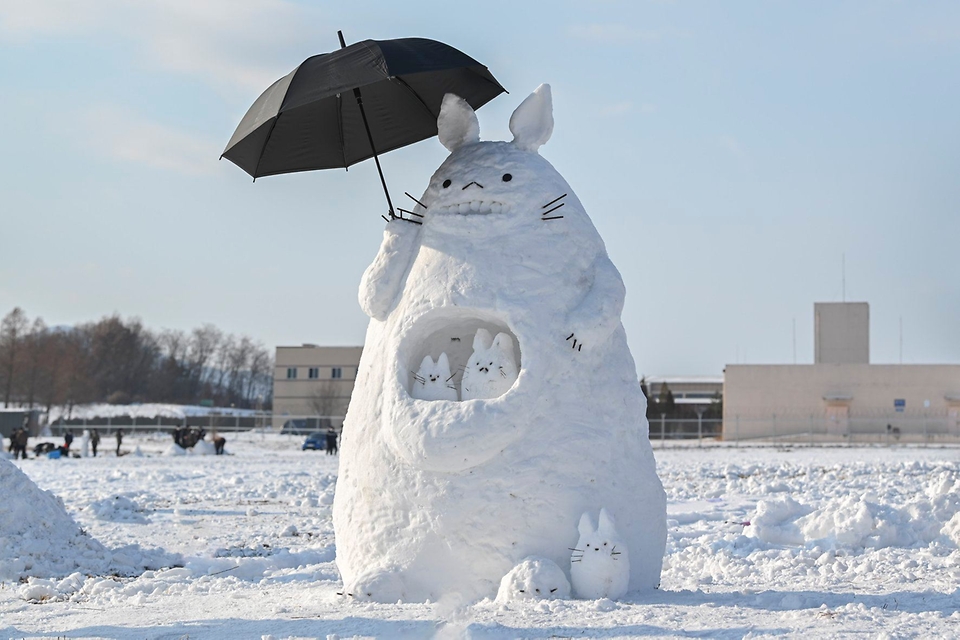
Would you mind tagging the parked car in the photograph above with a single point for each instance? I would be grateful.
(316, 441)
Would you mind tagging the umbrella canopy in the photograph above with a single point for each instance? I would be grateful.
(312, 118)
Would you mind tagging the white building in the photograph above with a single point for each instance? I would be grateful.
(842, 397)
(312, 385)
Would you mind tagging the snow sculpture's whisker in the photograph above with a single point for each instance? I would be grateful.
(415, 200)
(552, 210)
(554, 200)
(413, 213)
(451, 376)
(544, 219)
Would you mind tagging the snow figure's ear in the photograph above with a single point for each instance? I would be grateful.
(457, 124)
(532, 123)
(503, 343)
(608, 525)
(443, 363)
(586, 527)
(482, 341)
(427, 364)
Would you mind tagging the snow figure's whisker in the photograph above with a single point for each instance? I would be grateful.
(552, 201)
(415, 200)
(554, 209)
(451, 377)
(419, 215)
(544, 219)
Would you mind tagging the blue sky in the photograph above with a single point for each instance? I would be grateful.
(732, 155)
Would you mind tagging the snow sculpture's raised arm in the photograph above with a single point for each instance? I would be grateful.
(598, 313)
(383, 280)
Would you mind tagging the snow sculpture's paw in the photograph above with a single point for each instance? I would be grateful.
(575, 343)
(377, 585)
(534, 578)
(600, 564)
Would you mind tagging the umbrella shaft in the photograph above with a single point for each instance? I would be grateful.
(366, 125)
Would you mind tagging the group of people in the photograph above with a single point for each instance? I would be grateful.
(186, 438)
(20, 437)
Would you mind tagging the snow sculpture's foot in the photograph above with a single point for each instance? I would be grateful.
(534, 578)
(378, 585)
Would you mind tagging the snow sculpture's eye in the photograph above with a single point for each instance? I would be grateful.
(507, 177)
(446, 183)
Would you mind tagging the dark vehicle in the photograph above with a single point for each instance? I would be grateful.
(304, 426)
(316, 441)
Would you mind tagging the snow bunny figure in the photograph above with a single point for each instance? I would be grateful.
(432, 380)
(438, 495)
(600, 564)
(491, 369)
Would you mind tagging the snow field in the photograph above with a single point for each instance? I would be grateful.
(840, 541)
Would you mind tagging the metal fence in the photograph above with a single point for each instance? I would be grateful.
(888, 429)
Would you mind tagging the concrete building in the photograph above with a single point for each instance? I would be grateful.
(841, 397)
(312, 385)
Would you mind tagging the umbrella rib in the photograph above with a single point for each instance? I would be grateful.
(343, 144)
(273, 126)
(416, 95)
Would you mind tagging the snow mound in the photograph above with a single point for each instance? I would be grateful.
(39, 539)
(117, 509)
(952, 529)
(175, 450)
(204, 448)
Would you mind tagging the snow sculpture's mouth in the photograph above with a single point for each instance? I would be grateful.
(473, 207)
(435, 432)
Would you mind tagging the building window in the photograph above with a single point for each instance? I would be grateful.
(313, 373)
(291, 373)
(336, 373)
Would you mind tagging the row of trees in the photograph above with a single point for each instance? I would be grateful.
(121, 361)
(663, 404)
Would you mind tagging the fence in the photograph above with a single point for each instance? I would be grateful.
(883, 428)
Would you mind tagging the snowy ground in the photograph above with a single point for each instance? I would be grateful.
(840, 541)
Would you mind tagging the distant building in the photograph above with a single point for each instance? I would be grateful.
(842, 397)
(312, 385)
(693, 391)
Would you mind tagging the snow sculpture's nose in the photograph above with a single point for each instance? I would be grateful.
(470, 183)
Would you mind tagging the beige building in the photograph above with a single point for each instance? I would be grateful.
(312, 385)
(841, 397)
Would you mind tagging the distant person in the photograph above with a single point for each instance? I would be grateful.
(67, 440)
(94, 441)
(119, 440)
(19, 443)
(331, 442)
(218, 444)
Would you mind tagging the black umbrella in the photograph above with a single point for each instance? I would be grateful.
(307, 119)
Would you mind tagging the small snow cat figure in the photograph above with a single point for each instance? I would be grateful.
(600, 564)
(491, 369)
(432, 380)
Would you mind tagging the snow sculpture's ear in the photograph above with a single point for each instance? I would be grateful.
(608, 525)
(482, 341)
(503, 343)
(427, 364)
(443, 363)
(532, 123)
(586, 526)
(457, 124)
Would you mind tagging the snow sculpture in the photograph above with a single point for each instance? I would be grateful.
(534, 579)
(432, 380)
(491, 368)
(600, 564)
(439, 496)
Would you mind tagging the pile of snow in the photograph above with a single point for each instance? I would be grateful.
(117, 509)
(39, 539)
(448, 482)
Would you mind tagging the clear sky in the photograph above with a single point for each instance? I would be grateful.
(732, 155)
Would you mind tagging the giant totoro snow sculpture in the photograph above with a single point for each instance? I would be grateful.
(441, 496)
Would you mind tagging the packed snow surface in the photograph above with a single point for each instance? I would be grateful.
(508, 283)
(248, 550)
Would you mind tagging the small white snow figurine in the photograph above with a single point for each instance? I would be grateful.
(491, 369)
(433, 380)
(600, 565)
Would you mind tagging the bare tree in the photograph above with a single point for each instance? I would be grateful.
(12, 328)
(326, 400)
(32, 359)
